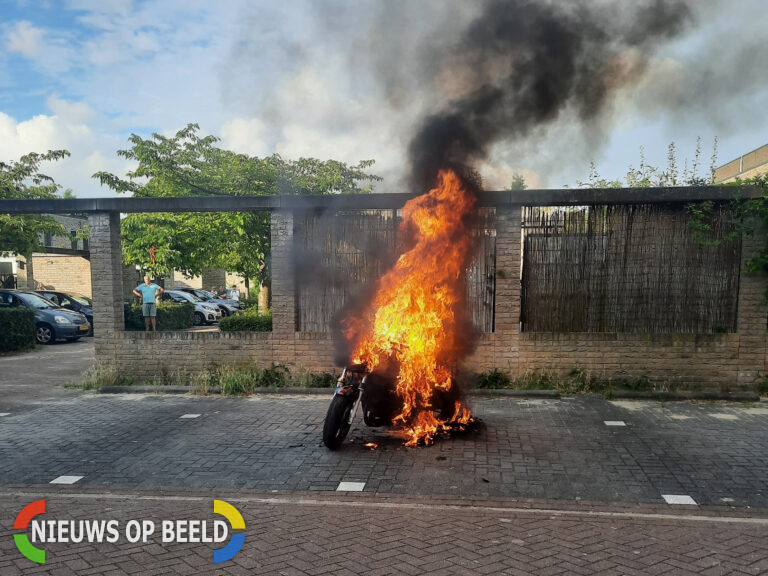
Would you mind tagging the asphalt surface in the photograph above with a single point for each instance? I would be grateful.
(578, 485)
(43, 373)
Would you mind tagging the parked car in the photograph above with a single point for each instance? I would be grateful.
(70, 301)
(205, 313)
(227, 307)
(51, 321)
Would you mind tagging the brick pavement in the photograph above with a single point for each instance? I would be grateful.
(307, 534)
(557, 449)
(545, 488)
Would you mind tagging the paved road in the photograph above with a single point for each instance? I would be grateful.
(43, 373)
(547, 487)
(308, 534)
(558, 449)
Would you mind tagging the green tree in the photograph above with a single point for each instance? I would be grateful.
(518, 182)
(647, 175)
(188, 164)
(22, 180)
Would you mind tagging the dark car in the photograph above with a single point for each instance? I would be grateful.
(70, 301)
(226, 306)
(51, 322)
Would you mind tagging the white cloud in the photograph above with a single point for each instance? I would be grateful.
(74, 112)
(90, 151)
(25, 38)
(245, 135)
(328, 80)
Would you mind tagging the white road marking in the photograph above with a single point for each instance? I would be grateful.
(66, 479)
(190, 416)
(614, 423)
(679, 499)
(350, 487)
(724, 416)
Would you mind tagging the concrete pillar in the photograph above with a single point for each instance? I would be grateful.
(508, 268)
(283, 289)
(506, 339)
(106, 281)
(751, 316)
(27, 280)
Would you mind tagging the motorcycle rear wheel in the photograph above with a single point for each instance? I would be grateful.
(337, 423)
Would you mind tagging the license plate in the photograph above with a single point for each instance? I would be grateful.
(84, 328)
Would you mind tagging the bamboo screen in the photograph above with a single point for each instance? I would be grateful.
(627, 268)
(338, 256)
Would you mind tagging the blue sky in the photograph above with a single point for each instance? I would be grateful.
(301, 78)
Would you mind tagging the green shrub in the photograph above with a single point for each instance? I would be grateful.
(18, 329)
(248, 321)
(101, 375)
(169, 316)
(277, 376)
(324, 380)
(249, 303)
(306, 379)
(237, 382)
(493, 379)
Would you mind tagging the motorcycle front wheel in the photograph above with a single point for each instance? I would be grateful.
(337, 422)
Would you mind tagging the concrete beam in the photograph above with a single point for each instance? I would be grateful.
(557, 197)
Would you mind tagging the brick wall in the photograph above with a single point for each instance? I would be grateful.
(65, 273)
(749, 165)
(732, 361)
(179, 280)
(145, 355)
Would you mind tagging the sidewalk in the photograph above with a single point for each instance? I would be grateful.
(311, 534)
(550, 486)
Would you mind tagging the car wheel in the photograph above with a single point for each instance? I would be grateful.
(199, 319)
(44, 334)
(224, 312)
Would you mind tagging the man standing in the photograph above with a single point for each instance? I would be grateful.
(235, 293)
(148, 294)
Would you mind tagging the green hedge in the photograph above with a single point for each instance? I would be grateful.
(248, 303)
(248, 321)
(18, 329)
(169, 316)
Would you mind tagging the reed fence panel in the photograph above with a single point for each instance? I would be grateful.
(627, 268)
(338, 257)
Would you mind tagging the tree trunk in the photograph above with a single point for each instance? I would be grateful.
(263, 297)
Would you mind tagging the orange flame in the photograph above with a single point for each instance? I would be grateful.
(413, 318)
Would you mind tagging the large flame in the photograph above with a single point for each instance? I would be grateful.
(413, 320)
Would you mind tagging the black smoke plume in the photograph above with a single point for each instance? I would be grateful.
(521, 63)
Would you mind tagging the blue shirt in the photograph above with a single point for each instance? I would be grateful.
(148, 292)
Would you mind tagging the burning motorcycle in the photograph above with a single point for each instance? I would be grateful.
(381, 405)
(406, 346)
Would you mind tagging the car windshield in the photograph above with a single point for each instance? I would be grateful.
(35, 301)
(187, 296)
(81, 299)
(206, 294)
